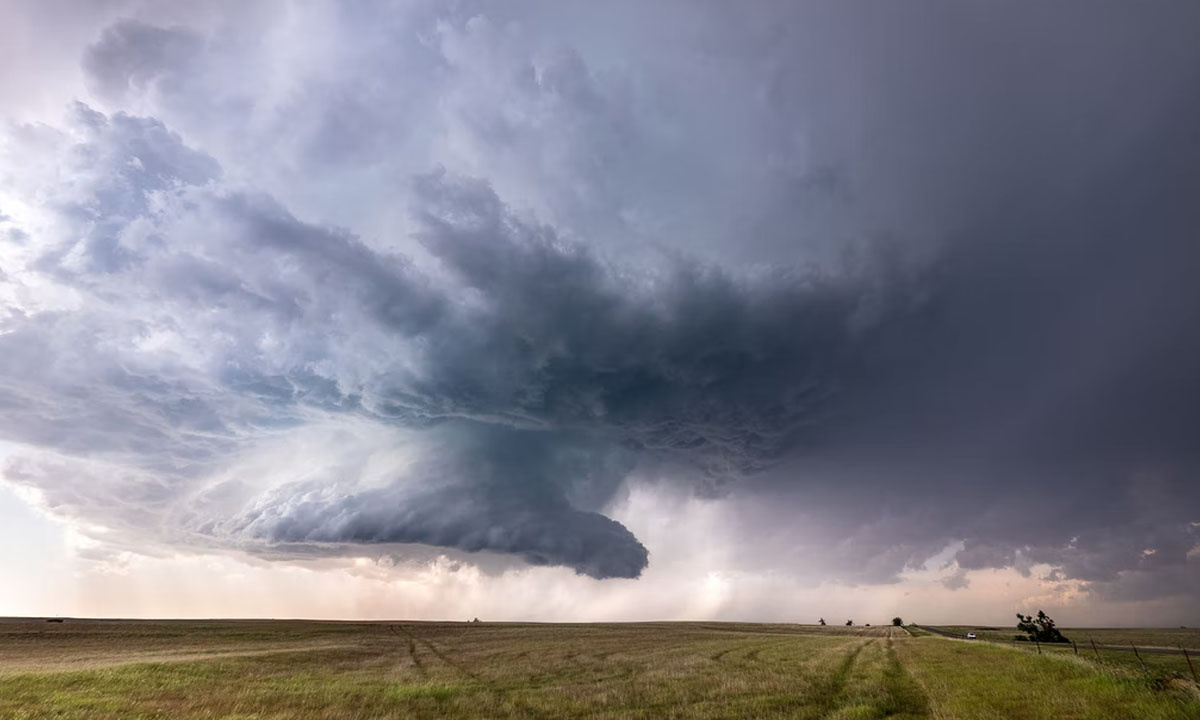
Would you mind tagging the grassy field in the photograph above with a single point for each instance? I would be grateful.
(1160, 667)
(267, 670)
(1142, 637)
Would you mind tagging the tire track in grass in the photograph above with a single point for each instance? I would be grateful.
(902, 698)
(832, 695)
(411, 645)
(720, 654)
(751, 655)
(905, 698)
(440, 655)
(503, 693)
(837, 683)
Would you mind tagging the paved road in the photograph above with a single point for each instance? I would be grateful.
(1082, 646)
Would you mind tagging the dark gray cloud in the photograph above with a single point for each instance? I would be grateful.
(133, 56)
(479, 487)
(684, 358)
(891, 277)
(523, 336)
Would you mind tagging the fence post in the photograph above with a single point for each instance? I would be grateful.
(1039, 645)
(1076, 647)
(1189, 662)
(1094, 649)
(1139, 657)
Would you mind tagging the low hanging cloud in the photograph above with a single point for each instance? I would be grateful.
(477, 487)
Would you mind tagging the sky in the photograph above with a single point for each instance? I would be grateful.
(601, 311)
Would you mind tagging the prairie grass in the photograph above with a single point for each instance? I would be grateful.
(1142, 637)
(334, 671)
(1158, 667)
(983, 680)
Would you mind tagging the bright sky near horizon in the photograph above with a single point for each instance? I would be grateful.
(601, 311)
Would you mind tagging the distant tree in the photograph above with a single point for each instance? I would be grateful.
(1040, 628)
(897, 621)
(867, 625)
(849, 623)
(821, 621)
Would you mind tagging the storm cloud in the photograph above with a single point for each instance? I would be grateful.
(884, 279)
(519, 337)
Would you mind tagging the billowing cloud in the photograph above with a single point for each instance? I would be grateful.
(555, 369)
(880, 281)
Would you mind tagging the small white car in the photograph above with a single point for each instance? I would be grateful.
(970, 636)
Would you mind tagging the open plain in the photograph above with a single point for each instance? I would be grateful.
(268, 670)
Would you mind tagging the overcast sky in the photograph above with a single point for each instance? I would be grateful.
(591, 311)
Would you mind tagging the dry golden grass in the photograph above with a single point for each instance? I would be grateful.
(275, 670)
